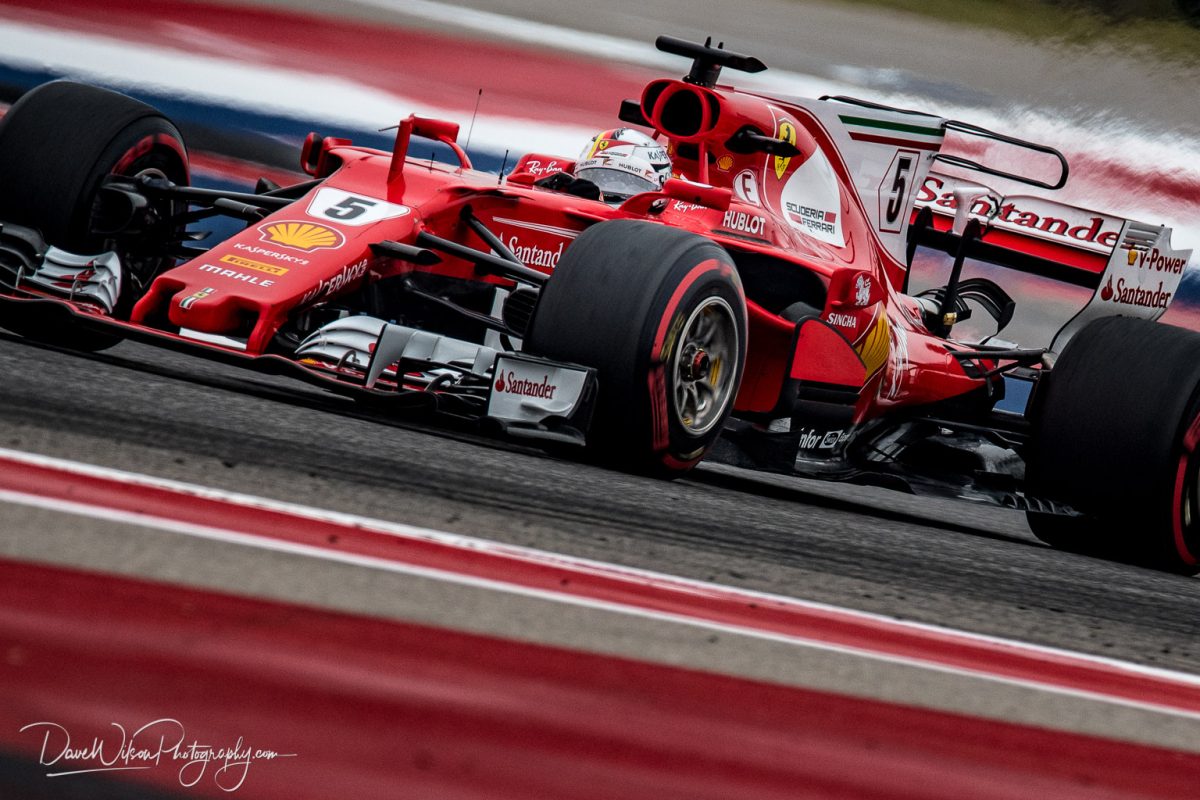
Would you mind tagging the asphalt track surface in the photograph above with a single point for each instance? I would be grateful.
(945, 563)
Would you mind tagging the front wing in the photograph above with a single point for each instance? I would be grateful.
(511, 393)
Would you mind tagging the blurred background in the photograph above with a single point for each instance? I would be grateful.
(1112, 83)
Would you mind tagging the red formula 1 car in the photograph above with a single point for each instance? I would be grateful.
(758, 307)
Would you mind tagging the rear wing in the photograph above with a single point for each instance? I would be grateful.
(891, 152)
(1130, 266)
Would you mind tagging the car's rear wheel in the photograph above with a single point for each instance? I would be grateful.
(1116, 428)
(57, 144)
(660, 313)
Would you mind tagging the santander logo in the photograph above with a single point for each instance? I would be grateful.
(508, 383)
(1126, 295)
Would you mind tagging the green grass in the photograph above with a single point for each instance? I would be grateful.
(1151, 29)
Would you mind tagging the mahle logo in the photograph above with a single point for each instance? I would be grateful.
(305, 236)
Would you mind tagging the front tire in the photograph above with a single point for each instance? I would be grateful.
(1116, 429)
(57, 144)
(661, 315)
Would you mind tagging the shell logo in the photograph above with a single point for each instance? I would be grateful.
(303, 236)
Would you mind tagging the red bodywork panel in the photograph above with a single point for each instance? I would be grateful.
(319, 246)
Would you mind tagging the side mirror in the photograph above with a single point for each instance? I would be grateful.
(677, 189)
(439, 130)
(315, 158)
(698, 193)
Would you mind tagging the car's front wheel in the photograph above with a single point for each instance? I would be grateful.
(58, 143)
(660, 313)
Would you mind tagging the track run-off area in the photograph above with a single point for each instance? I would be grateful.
(378, 608)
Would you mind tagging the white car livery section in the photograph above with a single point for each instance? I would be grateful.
(887, 152)
(1033, 217)
(812, 202)
(1140, 280)
(356, 210)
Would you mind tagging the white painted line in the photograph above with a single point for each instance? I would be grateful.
(384, 565)
(535, 556)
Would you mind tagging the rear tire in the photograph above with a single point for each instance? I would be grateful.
(57, 143)
(1116, 429)
(660, 313)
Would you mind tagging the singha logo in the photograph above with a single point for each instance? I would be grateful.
(862, 291)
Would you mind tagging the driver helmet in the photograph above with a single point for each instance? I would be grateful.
(623, 162)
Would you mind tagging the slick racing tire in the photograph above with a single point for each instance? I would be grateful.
(57, 143)
(1116, 435)
(661, 315)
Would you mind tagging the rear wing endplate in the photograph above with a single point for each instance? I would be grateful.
(1131, 267)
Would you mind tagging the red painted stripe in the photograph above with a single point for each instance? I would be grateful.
(894, 142)
(710, 603)
(373, 708)
(434, 68)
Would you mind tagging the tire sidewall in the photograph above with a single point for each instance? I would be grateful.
(1183, 509)
(58, 142)
(694, 278)
(150, 143)
(611, 304)
(1110, 438)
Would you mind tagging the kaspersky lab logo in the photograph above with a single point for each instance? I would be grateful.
(303, 236)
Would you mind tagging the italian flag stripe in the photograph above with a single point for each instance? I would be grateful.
(895, 127)
(894, 142)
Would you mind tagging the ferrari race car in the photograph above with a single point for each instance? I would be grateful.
(758, 307)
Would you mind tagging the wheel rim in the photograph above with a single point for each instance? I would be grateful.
(704, 364)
